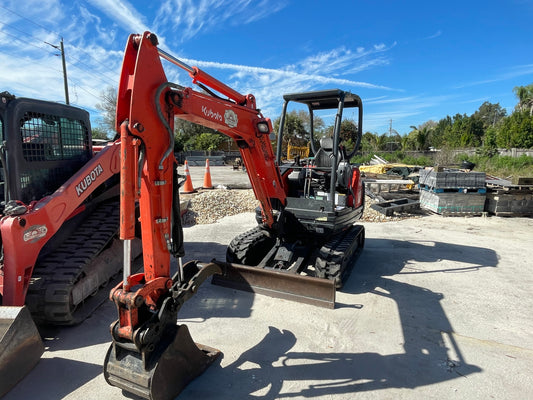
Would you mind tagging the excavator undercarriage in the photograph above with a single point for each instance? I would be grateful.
(303, 271)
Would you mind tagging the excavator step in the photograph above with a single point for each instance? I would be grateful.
(285, 285)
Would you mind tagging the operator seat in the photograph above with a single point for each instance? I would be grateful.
(324, 155)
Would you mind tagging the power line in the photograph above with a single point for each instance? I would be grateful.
(29, 20)
(22, 40)
(55, 33)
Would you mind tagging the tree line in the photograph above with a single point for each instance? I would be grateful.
(487, 128)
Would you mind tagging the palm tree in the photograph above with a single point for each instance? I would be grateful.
(525, 97)
(421, 136)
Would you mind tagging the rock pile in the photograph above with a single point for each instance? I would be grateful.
(210, 206)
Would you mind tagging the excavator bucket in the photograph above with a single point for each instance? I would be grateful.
(165, 372)
(294, 287)
(21, 346)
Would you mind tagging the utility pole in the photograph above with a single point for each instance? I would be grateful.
(65, 81)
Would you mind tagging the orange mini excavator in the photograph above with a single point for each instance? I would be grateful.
(302, 248)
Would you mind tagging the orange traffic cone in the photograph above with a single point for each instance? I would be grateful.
(207, 176)
(187, 188)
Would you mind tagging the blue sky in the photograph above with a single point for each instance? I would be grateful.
(410, 61)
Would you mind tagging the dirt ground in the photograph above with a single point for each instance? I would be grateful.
(435, 308)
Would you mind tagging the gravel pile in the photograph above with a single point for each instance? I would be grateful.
(210, 206)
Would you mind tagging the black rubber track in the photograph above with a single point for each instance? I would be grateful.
(250, 247)
(336, 257)
(49, 295)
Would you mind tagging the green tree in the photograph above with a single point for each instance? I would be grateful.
(525, 97)
(297, 128)
(208, 141)
(107, 106)
(293, 129)
(99, 133)
(419, 137)
(407, 142)
(369, 142)
(490, 114)
(186, 136)
(516, 131)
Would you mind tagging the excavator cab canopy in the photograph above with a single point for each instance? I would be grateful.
(324, 99)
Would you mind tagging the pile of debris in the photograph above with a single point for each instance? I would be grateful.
(209, 206)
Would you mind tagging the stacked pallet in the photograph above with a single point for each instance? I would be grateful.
(452, 192)
(507, 200)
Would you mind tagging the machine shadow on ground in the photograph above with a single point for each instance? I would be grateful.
(270, 370)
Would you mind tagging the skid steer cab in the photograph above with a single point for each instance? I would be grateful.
(303, 247)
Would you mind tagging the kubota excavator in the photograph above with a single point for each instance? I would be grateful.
(303, 247)
(59, 204)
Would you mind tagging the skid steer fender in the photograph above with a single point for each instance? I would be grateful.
(21, 346)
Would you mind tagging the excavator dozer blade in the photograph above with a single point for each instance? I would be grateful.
(162, 375)
(284, 285)
(21, 346)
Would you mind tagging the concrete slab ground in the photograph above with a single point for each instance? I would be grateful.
(435, 308)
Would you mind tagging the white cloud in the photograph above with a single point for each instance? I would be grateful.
(122, 13)
(94, 54)
(435, 35)
(188, 18)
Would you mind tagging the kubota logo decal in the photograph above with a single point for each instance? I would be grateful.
(89, 179)
(211, 114)
(34, 233)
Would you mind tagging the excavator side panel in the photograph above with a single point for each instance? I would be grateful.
(21, 346)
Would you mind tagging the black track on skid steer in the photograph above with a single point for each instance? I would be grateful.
(65, 283)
